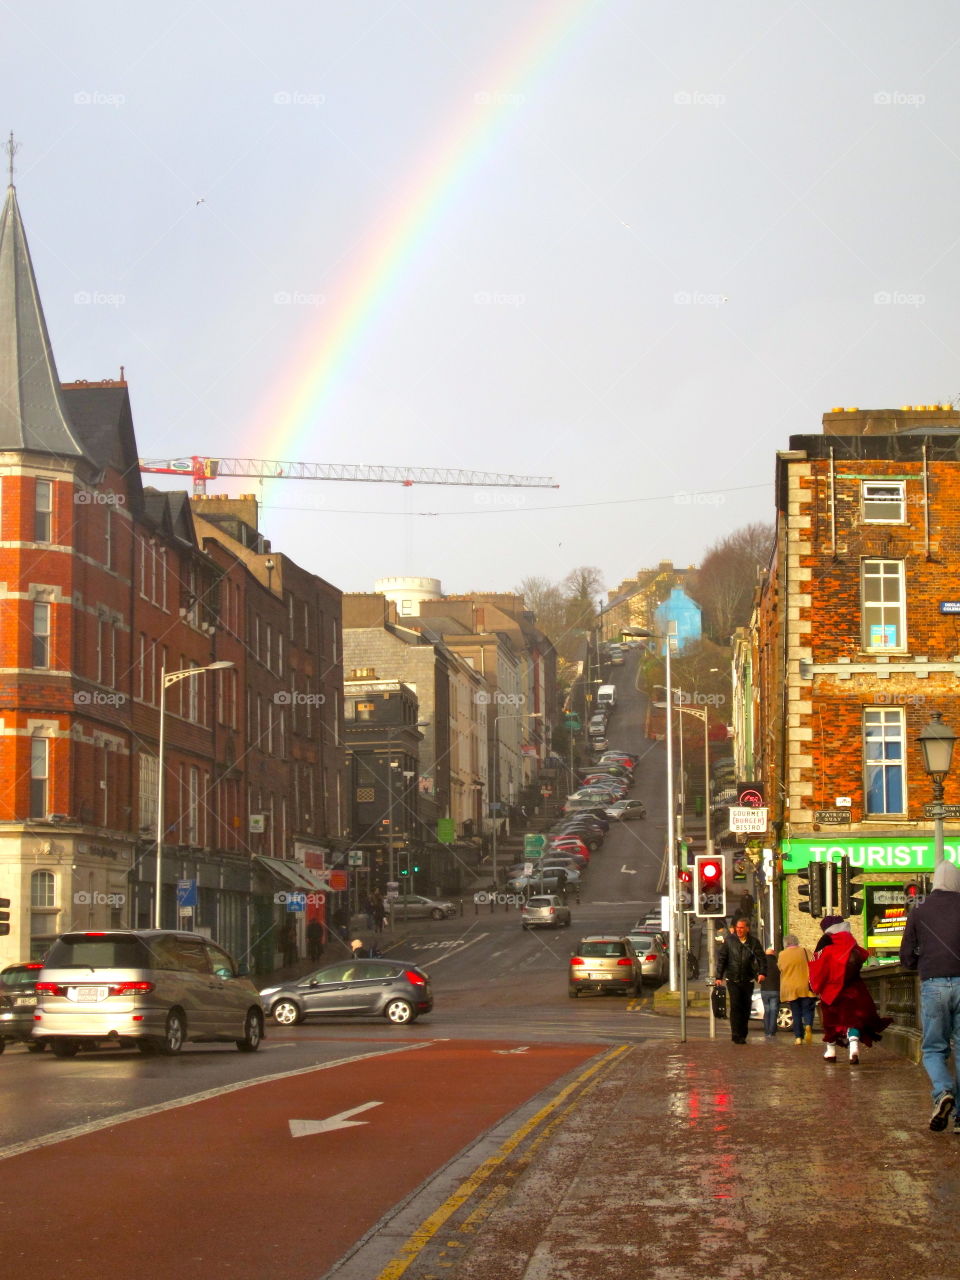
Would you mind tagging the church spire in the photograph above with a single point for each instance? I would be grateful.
(33, 415)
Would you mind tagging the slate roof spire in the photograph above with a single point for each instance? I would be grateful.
(33, 416)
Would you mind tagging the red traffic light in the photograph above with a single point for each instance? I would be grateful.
(710, 870)
(685, 876)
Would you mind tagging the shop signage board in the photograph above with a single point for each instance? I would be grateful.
(744, 820)
(446, 830)
(886, 916)
(869, 853)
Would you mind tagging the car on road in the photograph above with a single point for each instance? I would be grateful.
(412, 906)
(153, 988)
(611, 768)
(389, 989)
(627, 757)
(590, 838)
(654, 957)
(18, 1000)
(544, 911)
(627, 810)
(585, 804)
(604, 962)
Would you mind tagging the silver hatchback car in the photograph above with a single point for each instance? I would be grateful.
(153, 988)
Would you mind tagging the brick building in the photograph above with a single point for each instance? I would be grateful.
(854, 643)
(106, 587)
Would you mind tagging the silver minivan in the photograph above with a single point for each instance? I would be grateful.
(153, 988)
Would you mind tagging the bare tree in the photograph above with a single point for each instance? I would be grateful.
(724, 583)
(546, 601)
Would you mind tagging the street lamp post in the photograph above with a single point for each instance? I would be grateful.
(495, 786)
(168, 678)
(936, 741)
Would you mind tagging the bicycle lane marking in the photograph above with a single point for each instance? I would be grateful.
(192, 1177)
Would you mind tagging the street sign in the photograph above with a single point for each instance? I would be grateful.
(533, 844)
(572, 721)
(831, 817)
(747, 820)
(951, 811)
(186, 893)
(446, 830)
(355, 857)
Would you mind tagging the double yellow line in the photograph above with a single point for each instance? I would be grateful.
(549, 1117)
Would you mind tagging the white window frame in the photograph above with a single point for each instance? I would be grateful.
(43, 511)
(896, 502)
(40, 642)
(893, 719)
(889, 612)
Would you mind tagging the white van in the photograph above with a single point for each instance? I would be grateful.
(607, 696)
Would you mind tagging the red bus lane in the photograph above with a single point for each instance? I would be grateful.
(222, 1187)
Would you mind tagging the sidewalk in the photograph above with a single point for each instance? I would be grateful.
(705, 1160)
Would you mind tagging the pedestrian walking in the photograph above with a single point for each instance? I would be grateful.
(770, 995)
(931, 943)
(847, 1006)
(378, 910)
(358, 950)
(793, 963)
(740, 961)
(314, 940)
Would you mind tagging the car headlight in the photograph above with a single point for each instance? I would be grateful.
(268, 991)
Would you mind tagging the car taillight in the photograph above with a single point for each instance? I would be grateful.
(625, 960)
(125, 988)
(650, 959)
(575, 960)
(50, 988)
(417, 979)
(553, 911)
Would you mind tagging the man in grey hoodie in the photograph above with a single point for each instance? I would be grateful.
(931, 942)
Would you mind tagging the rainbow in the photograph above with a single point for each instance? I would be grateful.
(291, 411)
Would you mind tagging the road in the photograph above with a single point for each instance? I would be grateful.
(220, 1163)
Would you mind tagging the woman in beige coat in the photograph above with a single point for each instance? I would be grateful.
(794, 965)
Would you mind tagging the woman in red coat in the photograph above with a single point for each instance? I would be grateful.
(847, 1006)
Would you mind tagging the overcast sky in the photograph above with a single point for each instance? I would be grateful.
(631, 246)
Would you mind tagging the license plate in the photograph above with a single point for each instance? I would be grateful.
(24, 1000)
(89, 995)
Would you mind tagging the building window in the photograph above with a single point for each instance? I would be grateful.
(39, 769)
(882, 503)
(40, 656)
(43, 511)
(149, 782)
(43, 889)
(883, 761)
(882, 607)
(108, 538)
(366, 710)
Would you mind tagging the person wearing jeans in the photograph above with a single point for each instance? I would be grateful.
(931, 943)
(793, 964)
(770, 995)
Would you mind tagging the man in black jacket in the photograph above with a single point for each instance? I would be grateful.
(931, 941)
(740, 959)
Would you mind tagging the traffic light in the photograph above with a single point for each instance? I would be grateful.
(685, 889)
(4, 917)
(813, 887)
(849, 878)
(912, 894)
(711, 873)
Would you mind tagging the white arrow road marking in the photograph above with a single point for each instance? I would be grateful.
(522, 1049)
(304, 1128)
(628, 871)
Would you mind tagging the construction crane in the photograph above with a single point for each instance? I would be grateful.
(203, 469)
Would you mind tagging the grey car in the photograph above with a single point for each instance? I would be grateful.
(654, 957)
(545, 911)
(388, 989)
(152, 988)
(411, 906)
(605, 962)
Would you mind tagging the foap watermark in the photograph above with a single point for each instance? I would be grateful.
(497, 698)
(494, 98)
(95, 298)
(685, 699)
(292, 898)
(294, 298)
(490, 298)
(85, 898)
(297, 98)
(694, 298)
(894, 298)
(696, 98)
(98, 698)
(899, 699)
(294, 698)
(484, 499)
(91, 498)
(484, 898)
(898, 98)
(97, 98)
(685, 498)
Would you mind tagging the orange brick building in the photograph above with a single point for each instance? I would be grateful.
(105, 586)
(854, 643)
